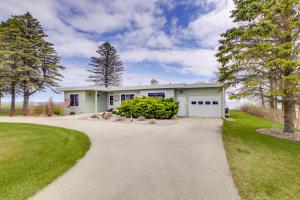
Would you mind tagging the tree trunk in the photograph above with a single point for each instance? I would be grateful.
(13, 100)
(272, 98)
(261, 95)
(289, 115)
(26, 95)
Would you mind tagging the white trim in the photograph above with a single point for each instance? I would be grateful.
(156, 91)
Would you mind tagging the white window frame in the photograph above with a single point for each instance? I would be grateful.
(155, 91)
(77, 99)
(125, 96)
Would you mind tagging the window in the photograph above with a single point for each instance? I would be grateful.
(156, 94)
(215, 102)
(111, 100)
(126, 97)
(200, 102)
(193, 102)
(73, 99)
(207, 102)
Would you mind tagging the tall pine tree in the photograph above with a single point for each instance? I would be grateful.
(12, 48)
(107, 68)
(40, 63)
(28, 63)
(264, 47)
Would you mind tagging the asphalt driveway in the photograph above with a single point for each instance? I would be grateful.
(185, 161)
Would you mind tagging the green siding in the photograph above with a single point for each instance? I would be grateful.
(81, 108)
(102, 101)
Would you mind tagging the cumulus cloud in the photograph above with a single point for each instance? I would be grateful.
(200, 61)
(207, 28)
(135, 27)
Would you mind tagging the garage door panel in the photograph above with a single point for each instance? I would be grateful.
(204, 106)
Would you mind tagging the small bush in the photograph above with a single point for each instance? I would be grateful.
(149, 107)
(72, 113)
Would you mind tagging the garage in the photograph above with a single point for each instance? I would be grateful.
(200, 106)
(204, 106)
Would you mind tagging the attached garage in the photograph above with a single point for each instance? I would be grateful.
(201, 103)
(204, 106)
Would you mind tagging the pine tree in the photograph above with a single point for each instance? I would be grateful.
(28, 62)
(40, 63)
(107, 68)
(11, 51)
(264, 47)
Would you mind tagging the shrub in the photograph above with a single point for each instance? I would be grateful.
(149, 107)
(72, 113)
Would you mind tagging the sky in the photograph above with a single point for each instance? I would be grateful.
(173, 41)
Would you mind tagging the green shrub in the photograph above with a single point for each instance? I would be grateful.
(149, 107)
(72, 113)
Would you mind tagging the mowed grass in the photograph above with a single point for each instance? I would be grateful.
(263, 167)
(32, 156)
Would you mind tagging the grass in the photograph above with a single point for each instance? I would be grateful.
(263, 167)
(32, 156)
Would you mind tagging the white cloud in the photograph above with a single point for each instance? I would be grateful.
(143, 37)
(208, 27)
(199, 61)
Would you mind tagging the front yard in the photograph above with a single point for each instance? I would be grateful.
(263, 167)
(32, 156)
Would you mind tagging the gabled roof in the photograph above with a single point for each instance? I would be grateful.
(145, 87)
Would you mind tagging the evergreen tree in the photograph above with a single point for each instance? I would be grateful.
(28, 62)
(11, 51)
(264, 47)
(40, 63)
(107, 68)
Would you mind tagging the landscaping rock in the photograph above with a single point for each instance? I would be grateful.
(280, 134)
(120, 118)
(152, 121)
(141, 118)
(95, 116)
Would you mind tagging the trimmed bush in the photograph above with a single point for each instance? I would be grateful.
(149, 107)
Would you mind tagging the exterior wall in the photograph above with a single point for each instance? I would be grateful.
(81, 108)
(117, 97)
(102, 101)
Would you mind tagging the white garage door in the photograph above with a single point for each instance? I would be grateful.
(204, 106)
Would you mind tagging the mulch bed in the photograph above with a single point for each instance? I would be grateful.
(279, 133)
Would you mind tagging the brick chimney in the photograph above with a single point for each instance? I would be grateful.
(154, 82)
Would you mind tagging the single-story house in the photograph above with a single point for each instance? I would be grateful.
(195, 100)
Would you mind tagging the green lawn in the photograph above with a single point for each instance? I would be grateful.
(263, 167)
(32, 156)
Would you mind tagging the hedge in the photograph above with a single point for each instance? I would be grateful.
(149, 107)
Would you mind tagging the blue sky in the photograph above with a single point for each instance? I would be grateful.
(173, 41)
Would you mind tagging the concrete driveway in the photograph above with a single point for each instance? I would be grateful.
(185, 161)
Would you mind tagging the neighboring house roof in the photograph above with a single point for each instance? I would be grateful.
(159, 86)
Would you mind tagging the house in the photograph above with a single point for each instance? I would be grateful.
(195, 100)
